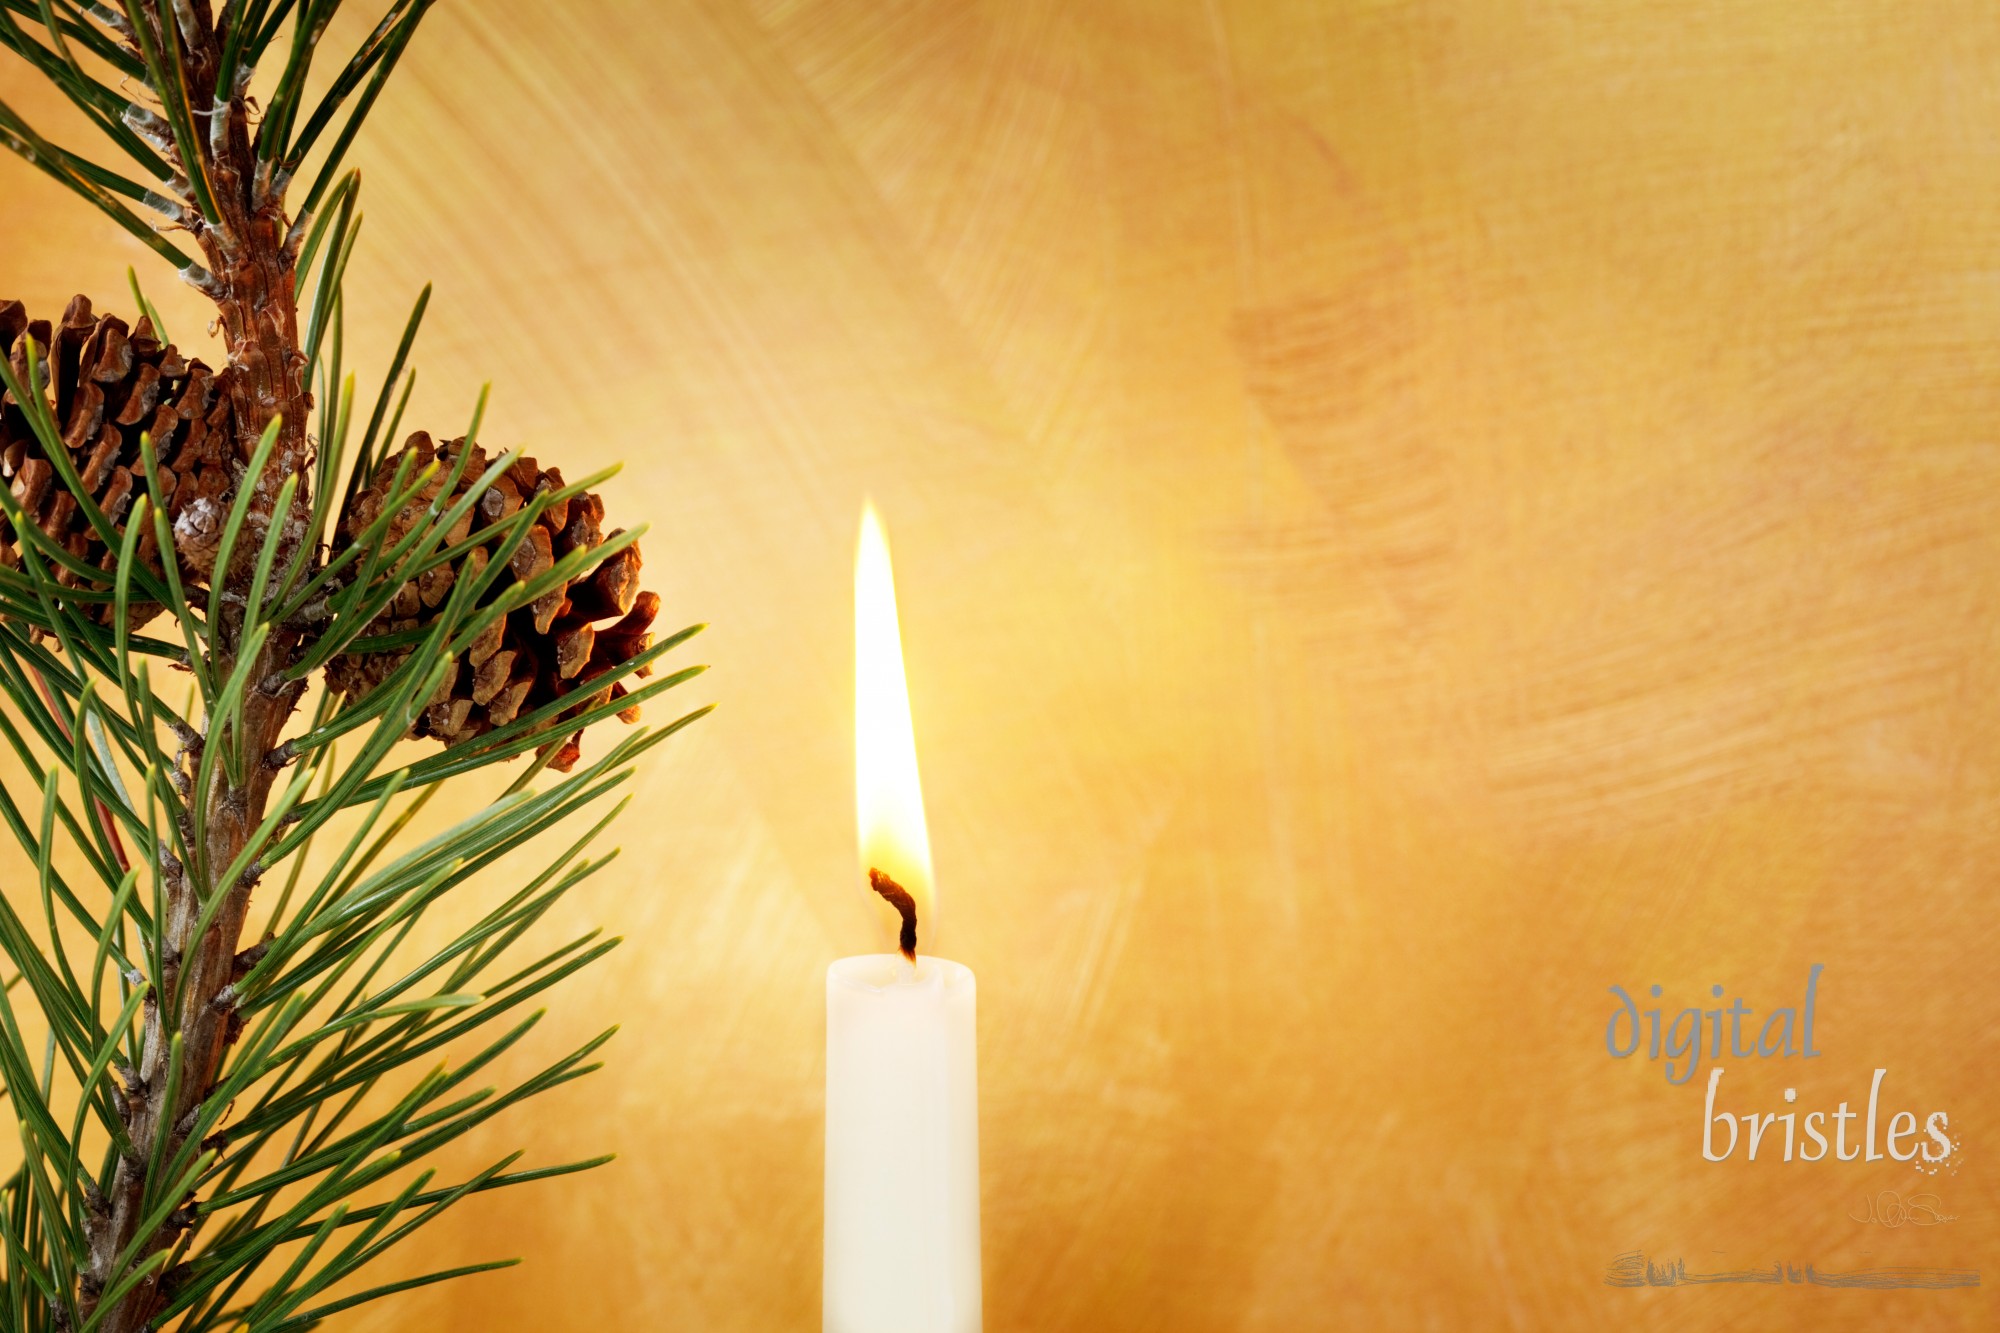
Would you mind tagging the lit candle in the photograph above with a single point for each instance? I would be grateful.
(902, 1069)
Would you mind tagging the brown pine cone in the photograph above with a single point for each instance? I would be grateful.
(550, 649)
(110, 382)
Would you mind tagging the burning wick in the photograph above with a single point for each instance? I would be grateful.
(900, 899)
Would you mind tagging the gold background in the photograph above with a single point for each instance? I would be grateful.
(1407, 515)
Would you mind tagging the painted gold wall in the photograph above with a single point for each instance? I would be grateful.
(1408, 515)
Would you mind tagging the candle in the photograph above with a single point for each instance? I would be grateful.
(902, 1073)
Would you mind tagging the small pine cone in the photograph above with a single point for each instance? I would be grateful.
(550, 649)
(110, 382)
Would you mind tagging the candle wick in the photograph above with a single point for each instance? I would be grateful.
(906, 906)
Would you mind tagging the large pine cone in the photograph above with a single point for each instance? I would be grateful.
(112, 381)
(550, 649)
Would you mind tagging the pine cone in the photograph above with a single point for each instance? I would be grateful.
(553, 648)
(110, 382)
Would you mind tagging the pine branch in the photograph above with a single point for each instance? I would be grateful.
(228, 1099)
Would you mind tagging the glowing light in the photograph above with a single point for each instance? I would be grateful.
(889, 800)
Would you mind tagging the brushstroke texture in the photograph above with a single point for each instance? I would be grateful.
(1407, 515)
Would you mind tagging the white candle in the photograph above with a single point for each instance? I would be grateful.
(902, 1147)
(902, 1069)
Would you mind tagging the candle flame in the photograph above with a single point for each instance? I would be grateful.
(889, 800)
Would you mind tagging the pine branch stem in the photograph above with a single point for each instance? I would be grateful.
(199, 1008)
(250, 275)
